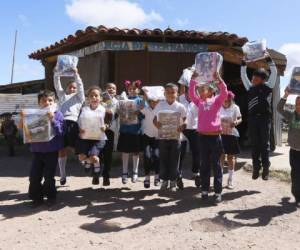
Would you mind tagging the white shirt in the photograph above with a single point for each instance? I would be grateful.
(192, 113)
(147, 124)
(92, 121)
(231, 113)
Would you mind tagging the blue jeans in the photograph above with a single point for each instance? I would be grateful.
(169, 151)
(210, 151)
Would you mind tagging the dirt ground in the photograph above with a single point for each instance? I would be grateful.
(255, 215)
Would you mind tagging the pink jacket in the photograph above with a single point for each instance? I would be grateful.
(208, 111)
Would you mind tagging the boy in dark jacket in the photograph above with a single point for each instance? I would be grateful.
(9, 130)
(45, 154)
(293, 119)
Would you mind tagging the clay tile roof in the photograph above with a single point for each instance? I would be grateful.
(82, 38)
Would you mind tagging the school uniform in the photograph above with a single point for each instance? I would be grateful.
(150, 142)
(230, 139)
(169, 150)
(260, 116)
(45, 156)
(294, 142)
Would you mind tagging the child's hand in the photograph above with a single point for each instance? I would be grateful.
(286, 92)
(158, 125)
(81, 131)
(217, 77)
(22, 114)
(50, 115)
(75, 70)
(233, 124)
(181, 128)
(195, 75)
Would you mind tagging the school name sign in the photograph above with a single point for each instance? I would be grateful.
(139, 46)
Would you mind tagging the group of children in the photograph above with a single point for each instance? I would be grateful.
(208, 119)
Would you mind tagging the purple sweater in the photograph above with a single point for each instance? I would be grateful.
(57, 142)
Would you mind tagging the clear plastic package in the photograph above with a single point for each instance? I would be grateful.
(155, 93)
(37, 126)
(294, 84)
(186, 76)
(206, 65)
(255, 50)
(65, 65)
(226, 123)
(92, 122)
(170, 121)
(128, 112)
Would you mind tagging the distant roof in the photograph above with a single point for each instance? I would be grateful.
(92, 35)
(19, 86)
(10, 103)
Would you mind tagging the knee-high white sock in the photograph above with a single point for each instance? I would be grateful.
(97, 167)
(125, 159)
(230, 174)
(136, 160)
(62, 167)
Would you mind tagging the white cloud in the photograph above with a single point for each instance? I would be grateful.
(292, 52)
(181, 23)
(119, 13)
(24, 20)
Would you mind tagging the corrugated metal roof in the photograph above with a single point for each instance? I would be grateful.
(10, 103)
(93, 34)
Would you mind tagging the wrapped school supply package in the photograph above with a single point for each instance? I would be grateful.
(154, 93)
(255, 50)
(92, 124)
(186, 76)
(294, 84)
(128, 112)
(206, 65)
(170, 121)
(226, 125)
(65, 65)
(37, 126)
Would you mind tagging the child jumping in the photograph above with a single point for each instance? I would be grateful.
(70, 105)
(230, 118)
(293, 119)
(45, 154)
(209, 128)
(130, 141)
(169, 149)
(90, 149)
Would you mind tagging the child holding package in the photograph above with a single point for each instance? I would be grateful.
(169, 149)
(45, 154)
(209, 128)
(230, 118)
(70, 105)
(110, 103)
(150, 143)
(130, 141)
(293, 119)
(90, 148)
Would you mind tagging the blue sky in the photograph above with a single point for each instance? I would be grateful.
(42, 22)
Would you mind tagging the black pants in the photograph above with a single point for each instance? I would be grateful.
(169, 156)
(295, 173)
(107, 153)
(10, 141)
(210, 151)
(192, 136)
(183, 146)
(151, 154)
(43, 165)
(259, 128)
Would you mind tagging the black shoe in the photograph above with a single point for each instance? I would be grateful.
(255, 174)
(36, 203)
(106, 181)
(95, 180)
(218, 198)
(265, 174)
(197, 181)
(180, 183)
(63, 181)
(146, 183)
(204, 196)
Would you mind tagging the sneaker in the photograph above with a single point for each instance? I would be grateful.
(255, 174)
(156, 182)
(265, 174)
(218, 198)
(230, 183)
(134, 178)
(146, 183)
(204, 196)
(164, 185)
(179, 183)
(197, 181)
(106, 181)
(125, 178)
(63, 181)
(95, 180)
(173, 186)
